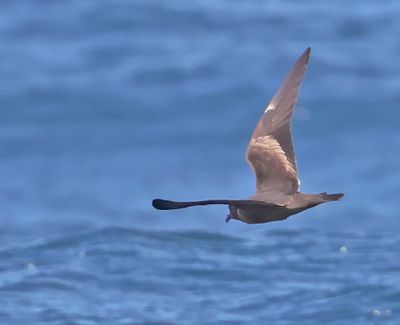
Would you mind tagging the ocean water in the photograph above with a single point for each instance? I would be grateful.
(107, 105)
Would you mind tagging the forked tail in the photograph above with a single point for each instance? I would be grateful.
(331, 197)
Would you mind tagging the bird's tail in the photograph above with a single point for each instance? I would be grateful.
(161, 204)
(331, 197)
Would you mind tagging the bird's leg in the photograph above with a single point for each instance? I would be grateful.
(228, 217)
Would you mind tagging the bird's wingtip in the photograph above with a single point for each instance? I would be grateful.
(307, 52)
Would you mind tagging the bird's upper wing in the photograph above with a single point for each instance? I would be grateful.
(270, 152)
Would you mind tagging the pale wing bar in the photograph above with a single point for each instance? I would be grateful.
(271, 151)
(274, 172)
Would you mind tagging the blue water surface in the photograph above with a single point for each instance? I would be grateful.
(105, 105)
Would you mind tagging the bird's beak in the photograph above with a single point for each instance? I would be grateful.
(228, 217)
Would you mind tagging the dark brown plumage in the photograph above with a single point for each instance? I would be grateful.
(271, 155)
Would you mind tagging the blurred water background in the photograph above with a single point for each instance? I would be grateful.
(106, 105)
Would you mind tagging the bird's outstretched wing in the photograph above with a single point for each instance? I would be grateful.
(270, 152)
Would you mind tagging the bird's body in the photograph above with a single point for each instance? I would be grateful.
(271, 155)
(278, 209)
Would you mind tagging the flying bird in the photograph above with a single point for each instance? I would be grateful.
(271, 155)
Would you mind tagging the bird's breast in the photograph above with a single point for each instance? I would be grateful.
(263, 214)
